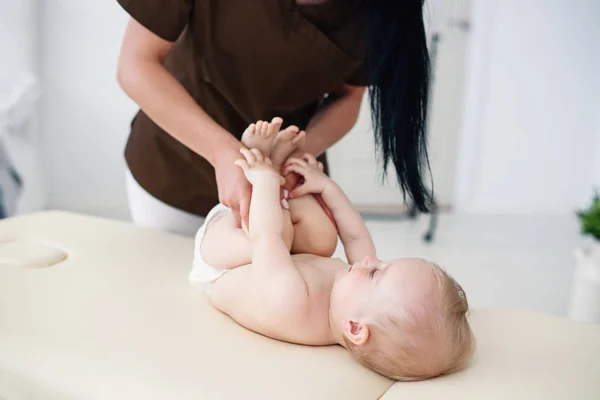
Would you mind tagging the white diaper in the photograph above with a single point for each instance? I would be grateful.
(203, 275)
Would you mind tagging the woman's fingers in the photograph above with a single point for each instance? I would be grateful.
(237, 195)
(244, 210)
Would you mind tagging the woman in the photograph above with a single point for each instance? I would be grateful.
(203, 70)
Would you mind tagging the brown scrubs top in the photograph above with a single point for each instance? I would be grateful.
(242, 61)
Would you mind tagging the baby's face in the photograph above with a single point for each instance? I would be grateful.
(373, 285)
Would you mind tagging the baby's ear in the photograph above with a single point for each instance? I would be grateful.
(356, 332)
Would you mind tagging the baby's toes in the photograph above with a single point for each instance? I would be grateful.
(250, 130)
(299, 137)
(275, 126)
(264, 128)
(288, 133)
(258, 129)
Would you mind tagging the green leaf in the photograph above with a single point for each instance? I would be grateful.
(590, 218)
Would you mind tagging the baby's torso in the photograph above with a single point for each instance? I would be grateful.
(318, 272)
(216, 274)
(319, 275)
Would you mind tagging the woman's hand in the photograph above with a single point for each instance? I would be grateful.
(235, 191)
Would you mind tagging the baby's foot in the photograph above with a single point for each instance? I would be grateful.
(287, 141)
(261, 135)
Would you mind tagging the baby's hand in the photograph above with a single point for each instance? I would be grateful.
(256, 167)
(314, 180)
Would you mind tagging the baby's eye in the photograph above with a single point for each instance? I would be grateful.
(373, 272)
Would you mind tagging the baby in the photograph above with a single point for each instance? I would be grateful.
(405, 319)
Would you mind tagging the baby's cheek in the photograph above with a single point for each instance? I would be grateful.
(352, 285)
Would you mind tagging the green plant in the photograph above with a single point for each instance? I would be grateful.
(590, 218)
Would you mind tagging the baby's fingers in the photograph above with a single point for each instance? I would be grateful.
(299, 169)
(299, 191)
(257, 154)
(243, 164)
(250, 158)
(297, 161)
(309, 159)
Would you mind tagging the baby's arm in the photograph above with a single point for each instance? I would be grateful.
(353, 232)
(266, 294)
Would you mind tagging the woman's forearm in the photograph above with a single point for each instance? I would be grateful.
(334, 120)
(172, 108)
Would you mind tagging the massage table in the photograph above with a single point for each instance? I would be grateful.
(99, 309)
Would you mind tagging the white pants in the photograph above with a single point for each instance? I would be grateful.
(149, 212)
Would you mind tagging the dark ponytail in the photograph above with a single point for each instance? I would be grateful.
(397, 64)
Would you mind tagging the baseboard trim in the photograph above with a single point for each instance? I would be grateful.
(391, 211)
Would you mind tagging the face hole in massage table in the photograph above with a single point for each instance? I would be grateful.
(29, 254)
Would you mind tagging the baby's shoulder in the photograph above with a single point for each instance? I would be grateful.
(311, 261)
(318, 272)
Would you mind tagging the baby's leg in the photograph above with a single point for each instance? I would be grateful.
(226, 246)
(314, 233)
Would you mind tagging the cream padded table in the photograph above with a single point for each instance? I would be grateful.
(99, 309)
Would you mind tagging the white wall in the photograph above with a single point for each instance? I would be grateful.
(353, 163)
(532, 120)
(532, 108)
(595, 179)
(85, 115)
(19, 47)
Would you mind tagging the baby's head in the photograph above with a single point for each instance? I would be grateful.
(405, 319)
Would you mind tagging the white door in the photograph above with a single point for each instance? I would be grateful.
(353, 162)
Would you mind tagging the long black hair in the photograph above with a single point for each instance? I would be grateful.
(398, 75)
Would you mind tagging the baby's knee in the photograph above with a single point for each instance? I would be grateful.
(316, 235)
(324, 242)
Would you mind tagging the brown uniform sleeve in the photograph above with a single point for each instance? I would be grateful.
(165, 18)
(359, 78)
